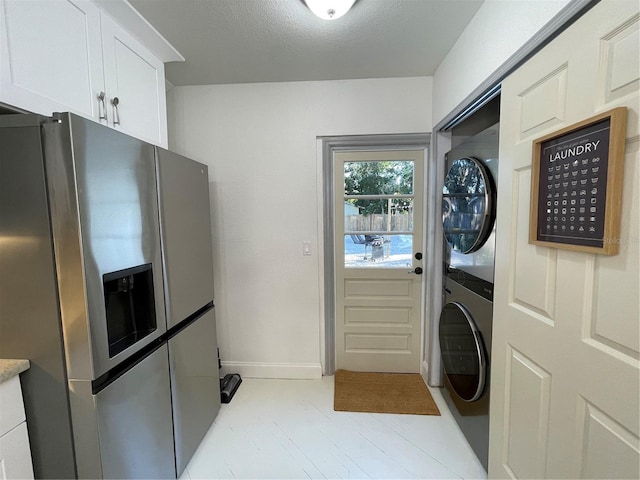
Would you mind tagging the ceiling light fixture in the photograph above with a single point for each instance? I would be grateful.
(329, 9)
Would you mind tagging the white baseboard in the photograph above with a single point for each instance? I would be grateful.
(424, 371)
(294, 371)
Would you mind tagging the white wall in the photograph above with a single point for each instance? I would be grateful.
(495, 33)
(259, 141)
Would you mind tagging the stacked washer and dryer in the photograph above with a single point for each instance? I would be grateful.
(468, 214)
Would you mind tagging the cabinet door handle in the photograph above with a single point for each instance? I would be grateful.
(102, 108)
(116, 115)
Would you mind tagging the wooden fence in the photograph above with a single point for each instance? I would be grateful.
(378, 222)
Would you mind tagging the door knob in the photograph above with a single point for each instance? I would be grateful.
(418, 255)
(417, 271)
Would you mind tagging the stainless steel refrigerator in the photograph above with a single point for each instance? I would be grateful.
(96, 282)
(185, 222)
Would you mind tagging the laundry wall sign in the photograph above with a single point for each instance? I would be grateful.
(576, 188)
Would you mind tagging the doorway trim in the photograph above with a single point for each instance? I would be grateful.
(345, 143)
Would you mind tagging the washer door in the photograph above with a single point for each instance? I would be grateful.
(463, 352)
(467, 205)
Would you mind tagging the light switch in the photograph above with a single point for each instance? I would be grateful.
(306, 247)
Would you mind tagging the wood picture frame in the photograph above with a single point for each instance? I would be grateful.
(576, 185)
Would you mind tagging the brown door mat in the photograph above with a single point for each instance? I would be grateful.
(382, 393)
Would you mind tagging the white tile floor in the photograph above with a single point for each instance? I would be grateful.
(284, 429)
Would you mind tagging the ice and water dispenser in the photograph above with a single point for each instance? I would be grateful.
(130, 306)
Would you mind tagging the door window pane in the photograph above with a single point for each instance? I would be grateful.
(378, 178)
(383, 215)
(382, 251)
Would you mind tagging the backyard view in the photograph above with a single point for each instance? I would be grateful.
(396, 251)
(378, 214)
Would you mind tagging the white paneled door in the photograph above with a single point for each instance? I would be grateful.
(566, 355)
(378, 246)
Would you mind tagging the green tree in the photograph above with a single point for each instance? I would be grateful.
(378, 178)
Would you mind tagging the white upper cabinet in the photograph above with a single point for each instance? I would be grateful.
(71, 55)
(134, 84)
(51, 56)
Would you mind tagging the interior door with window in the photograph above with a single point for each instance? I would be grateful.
(378, 242)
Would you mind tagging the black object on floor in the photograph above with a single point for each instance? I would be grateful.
(228, 386)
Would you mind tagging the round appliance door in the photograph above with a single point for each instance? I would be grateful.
(468, 209)
(463, 352)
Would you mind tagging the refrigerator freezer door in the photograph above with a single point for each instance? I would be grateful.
(186, 235)
(102, 189)
(195, 385)
(134, 422)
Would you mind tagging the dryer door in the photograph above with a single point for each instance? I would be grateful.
(463, 352)
(468, 207)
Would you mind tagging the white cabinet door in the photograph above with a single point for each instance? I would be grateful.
(15, 457)
(12, 413)
(51, 56)
(15, 454)
(136, 78)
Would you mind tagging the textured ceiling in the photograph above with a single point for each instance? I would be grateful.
(241, 41)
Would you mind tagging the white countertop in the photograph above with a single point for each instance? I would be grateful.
(11, 368)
